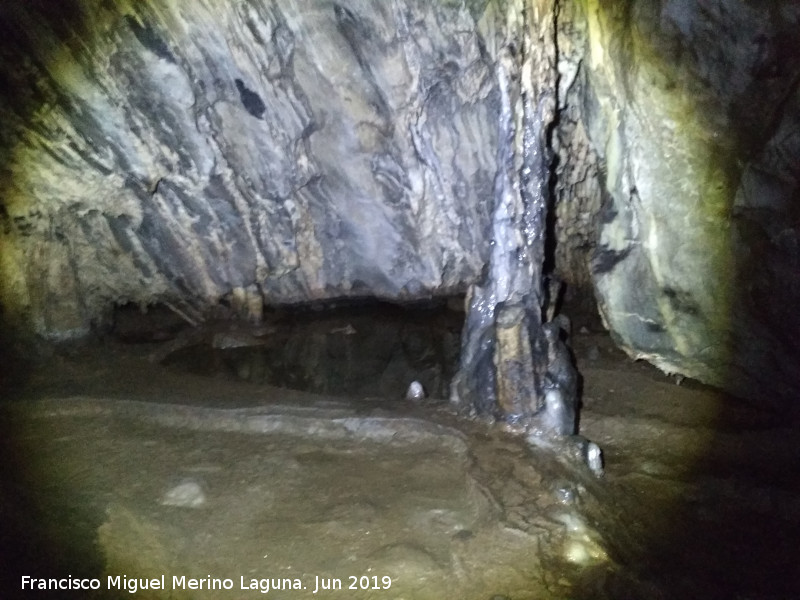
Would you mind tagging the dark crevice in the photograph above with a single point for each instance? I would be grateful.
(250, 100)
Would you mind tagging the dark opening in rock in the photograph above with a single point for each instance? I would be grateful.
(372, 349)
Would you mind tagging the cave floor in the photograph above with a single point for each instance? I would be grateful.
(116, 466)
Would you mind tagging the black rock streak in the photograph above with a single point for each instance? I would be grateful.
(149, 39)
(250, 100)
(359, 37)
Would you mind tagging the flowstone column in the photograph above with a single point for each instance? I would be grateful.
(514, 367)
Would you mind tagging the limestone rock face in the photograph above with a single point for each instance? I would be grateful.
(193, 153)
(692, 110)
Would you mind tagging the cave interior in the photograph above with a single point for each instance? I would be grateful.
(466, 299)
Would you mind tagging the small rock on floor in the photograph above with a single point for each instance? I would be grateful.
(188, 494)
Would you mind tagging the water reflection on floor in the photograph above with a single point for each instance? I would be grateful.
(375, 350)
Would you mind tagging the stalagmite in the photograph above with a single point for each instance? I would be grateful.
(508, 358)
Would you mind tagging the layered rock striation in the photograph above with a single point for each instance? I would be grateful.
(246, 153)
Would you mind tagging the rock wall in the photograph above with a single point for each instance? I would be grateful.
(691, 109)
(248, 152)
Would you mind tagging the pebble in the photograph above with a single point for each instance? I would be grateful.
(188, 494)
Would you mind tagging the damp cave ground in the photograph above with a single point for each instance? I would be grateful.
(189, 454)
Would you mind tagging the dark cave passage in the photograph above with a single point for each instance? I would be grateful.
(355, 349)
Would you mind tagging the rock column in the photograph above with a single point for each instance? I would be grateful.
(508, 364)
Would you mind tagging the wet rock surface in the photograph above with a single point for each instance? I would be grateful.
(326, 488)
(675, 118)
(699, 496)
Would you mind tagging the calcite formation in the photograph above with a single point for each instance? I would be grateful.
(508, 361)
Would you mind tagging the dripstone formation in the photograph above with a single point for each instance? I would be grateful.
(509, 360)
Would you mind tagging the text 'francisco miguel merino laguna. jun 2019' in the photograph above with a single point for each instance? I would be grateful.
(262, 585)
